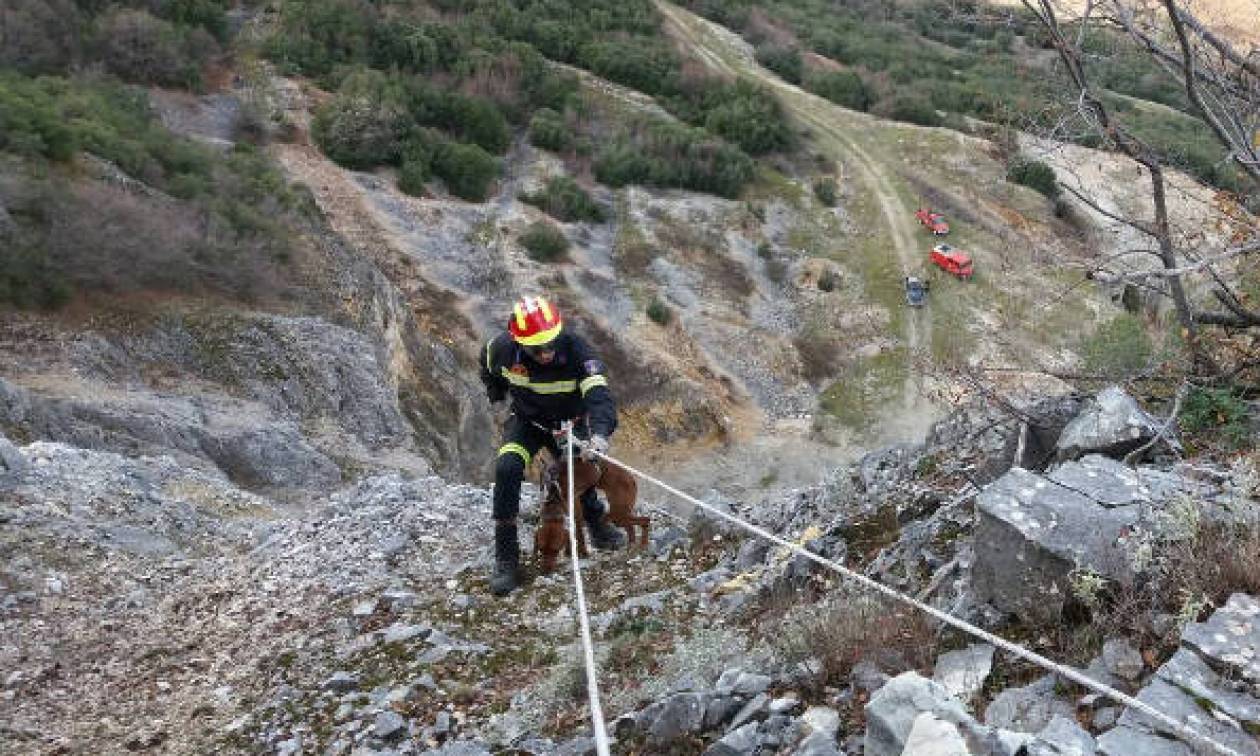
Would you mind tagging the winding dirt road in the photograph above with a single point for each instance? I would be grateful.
(834, 129)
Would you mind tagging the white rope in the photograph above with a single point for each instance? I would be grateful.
(592, 691)
(1041, 661)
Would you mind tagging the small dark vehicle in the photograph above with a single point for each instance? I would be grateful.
(916, 291)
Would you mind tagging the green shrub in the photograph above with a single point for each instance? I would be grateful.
(548, 130)
(669, 154)
(467, 170)
(28, 279)
(1034, 174)
(659, 312)
(565, 200)
(825, 190)
(911, 108)
(743, 113)
(141, 48)
(365, 124)
(1118, 348)
(844, 88)
(784, 61)
(412, 176)
(1219, 411)
(544, 242)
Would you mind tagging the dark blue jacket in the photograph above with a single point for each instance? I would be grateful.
(572, 385)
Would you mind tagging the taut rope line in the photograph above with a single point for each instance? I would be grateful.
(1032, 656)
(588, 650)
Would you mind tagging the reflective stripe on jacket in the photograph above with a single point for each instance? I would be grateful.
(572, 384)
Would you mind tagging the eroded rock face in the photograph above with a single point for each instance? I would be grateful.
(1111, 424)
(894, 709)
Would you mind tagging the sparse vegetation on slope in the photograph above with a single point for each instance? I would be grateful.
(166, 214)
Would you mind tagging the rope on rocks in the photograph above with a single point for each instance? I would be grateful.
(1074, 675)
(592, 689)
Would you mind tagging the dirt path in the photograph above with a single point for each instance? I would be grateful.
(833, 127)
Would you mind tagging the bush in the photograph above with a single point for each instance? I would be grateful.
(365, 124)
(1118, 348)
(1034, 174)
(467, 170)
(784, 61)
(140, 48)
(548, 130)
(544, 242)
(844, 88)
(669, 154)
(1218, 411)
(412, 176)
(659, 312)
(565, 200)
(911, 108)
(744, 114)
(825, 190)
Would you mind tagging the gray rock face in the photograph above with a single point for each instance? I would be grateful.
(1231, 636)
(242, 440)
(741, 741)
(932, 736)
(1062, 737)
(1209, 684)
(1030, 708)
(1122, 659)
(962, 673)
(342, 682)
(680, 715)
(1111, 424)
(891, 712)
(1032, 532)
(389, 725)
(817, 744)
(12, 462)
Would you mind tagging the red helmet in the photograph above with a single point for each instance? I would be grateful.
(534, 321)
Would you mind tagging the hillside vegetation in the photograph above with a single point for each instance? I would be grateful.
(932, 62)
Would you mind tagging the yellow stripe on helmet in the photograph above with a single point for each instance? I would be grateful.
(520, 315)
(545, 307)
(542, 337)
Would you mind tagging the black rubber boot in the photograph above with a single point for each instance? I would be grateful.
(604, 536)
(507, 559)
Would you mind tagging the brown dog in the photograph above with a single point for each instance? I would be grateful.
(620, 489)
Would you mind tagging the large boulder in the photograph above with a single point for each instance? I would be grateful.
(963, 672)
(1032, 533)
(1112, 424)
(1033, 530)
(932, 736)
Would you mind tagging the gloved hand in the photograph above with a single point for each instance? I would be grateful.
(595, 444)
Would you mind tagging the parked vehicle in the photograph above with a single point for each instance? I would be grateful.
(916, 291)
(934, 222)
(952, 260)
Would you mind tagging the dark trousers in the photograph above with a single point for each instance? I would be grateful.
(522, 441)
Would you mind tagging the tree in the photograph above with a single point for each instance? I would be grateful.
(1223, 89)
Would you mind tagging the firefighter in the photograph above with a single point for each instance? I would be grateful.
(551, 375)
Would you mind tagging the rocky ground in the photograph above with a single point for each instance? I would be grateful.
(151, 605)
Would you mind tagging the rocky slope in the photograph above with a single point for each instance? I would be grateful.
(153, 605)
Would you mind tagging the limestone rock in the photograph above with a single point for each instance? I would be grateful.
(1111, 424)
(1030, 708)
(1062, 737)
(891, 712)
(1122, 659)
(932, 736)
(962, 673)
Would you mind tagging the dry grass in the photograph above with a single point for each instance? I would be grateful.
(853, 628)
